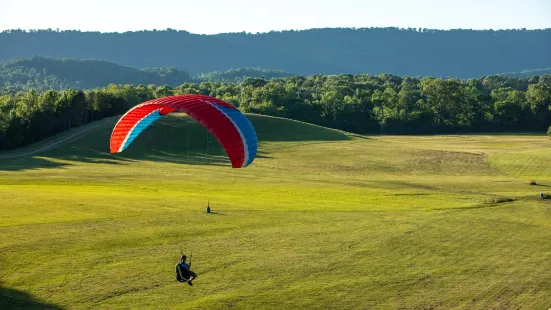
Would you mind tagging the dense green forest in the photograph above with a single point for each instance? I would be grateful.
(44, 73)
(241, 74)
(528, 73)
(461, 53)
(357, 103)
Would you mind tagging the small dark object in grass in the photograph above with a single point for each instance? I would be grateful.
(503, 199)
(533, 182)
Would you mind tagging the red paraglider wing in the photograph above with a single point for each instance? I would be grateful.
(228, 125)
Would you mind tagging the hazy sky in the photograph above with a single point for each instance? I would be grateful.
(215, 16)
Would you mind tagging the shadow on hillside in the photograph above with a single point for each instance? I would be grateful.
(49, 160)
(28, 163)
(14, 299)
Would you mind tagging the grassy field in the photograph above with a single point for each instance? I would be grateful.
(322, 220)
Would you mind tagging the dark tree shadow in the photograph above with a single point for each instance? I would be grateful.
(14, 299)
(51, 161)
(28, 163)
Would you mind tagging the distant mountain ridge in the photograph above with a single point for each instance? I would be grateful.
(410, 52)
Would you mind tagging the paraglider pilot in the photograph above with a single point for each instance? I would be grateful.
(183, 272)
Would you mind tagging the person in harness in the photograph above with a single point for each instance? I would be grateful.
(183, 272)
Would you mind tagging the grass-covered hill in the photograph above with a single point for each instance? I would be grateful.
(321, 219)
(461, 53)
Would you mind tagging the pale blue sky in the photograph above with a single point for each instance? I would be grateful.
(216, 16)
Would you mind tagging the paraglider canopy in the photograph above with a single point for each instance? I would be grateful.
(228, 125)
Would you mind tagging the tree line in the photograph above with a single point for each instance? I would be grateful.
(364, 104)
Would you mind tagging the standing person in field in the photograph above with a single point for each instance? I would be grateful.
(183, 271)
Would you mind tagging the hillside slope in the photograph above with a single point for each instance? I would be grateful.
(176, 137)
(413, 52)
(50, 73)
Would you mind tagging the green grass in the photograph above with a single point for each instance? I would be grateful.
(322, 219)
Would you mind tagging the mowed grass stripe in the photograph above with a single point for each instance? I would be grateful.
(524, 164)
